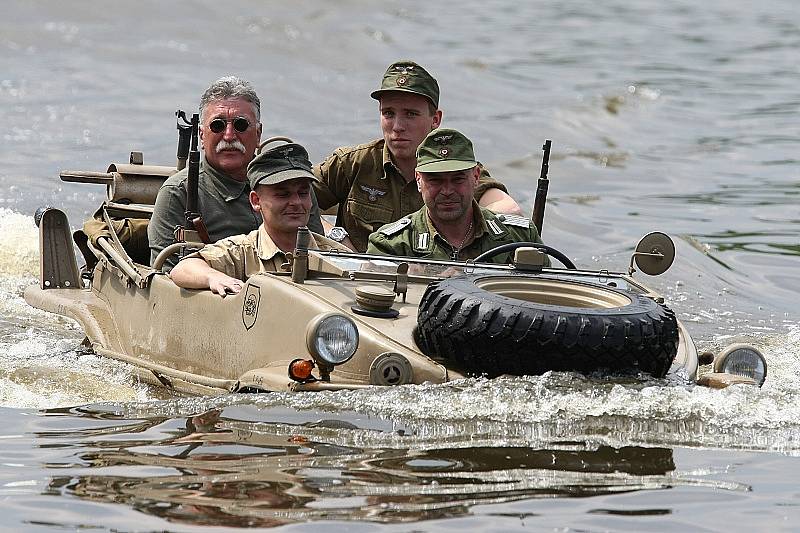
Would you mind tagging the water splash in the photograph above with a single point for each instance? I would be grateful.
(19, 247)
(39, 364)
(39, 371)
(530, 411)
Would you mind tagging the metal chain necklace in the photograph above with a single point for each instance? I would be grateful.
(457, 249)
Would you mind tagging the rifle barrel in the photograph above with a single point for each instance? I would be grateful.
(193, 176)
(541, 190)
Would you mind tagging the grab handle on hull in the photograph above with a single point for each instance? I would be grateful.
(158, 262)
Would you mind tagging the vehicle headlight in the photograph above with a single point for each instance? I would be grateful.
(742, 360)
(332, 338)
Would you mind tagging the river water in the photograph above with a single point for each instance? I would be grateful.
(675, 116)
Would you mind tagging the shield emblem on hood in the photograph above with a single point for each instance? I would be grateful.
(250, 305)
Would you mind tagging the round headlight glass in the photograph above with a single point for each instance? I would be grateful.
(742, 361)
(334, 340)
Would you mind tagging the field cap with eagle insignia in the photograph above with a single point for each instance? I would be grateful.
(408, 77)
(445, 150)
(279, 164)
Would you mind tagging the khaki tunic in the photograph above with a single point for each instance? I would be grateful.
(223, 201)
(416, 236)
(241, 256)
(370, 190)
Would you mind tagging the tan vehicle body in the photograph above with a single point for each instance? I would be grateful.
(197, 342)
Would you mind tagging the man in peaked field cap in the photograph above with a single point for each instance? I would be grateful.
(280, 181)
(373, 183)
(451, 225)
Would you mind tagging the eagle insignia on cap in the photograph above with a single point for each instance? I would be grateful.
(402, 80)
(443, 152)
(441, 139)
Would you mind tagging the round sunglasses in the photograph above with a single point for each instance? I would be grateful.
(218, 125)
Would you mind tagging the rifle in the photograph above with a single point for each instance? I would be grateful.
(194, 230)
(537, 217)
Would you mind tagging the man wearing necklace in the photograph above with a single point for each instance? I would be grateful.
(451, 225)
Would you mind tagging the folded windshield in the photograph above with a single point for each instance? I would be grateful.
(428, 268)
(416, 267)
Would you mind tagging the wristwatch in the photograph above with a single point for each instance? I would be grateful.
(337, 233)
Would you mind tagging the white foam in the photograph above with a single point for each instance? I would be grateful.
(40, 371)
(537, 409)
(19, 246)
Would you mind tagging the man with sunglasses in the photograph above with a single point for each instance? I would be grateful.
(280, 179)
(373, 183)
(230, 132)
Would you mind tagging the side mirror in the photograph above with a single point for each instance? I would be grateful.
(654, 254)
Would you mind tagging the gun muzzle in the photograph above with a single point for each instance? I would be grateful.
(300, 255)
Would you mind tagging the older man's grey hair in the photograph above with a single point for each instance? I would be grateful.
(230, 87)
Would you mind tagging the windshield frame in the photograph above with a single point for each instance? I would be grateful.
(332, 265)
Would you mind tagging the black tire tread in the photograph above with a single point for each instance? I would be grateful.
(487, 334)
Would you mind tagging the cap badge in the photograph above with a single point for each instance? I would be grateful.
(441, 139)
(443, 152)
(402, 80)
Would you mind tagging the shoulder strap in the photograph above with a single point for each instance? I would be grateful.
(514, 220)
(395, 227)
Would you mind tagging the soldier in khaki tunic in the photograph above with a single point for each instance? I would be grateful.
(280, 180)
(373, 183)
(451, 225)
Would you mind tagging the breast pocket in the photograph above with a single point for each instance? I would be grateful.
(363, 219)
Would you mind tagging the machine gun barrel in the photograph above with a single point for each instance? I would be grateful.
(541, 189)
(82, 176)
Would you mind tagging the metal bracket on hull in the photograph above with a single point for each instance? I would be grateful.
(58, 268)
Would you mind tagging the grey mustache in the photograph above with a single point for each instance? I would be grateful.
(225, 145)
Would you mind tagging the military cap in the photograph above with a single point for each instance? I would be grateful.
(279, 164)
(408, 77)
(445, 150)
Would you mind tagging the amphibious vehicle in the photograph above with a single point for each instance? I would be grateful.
(333, 321)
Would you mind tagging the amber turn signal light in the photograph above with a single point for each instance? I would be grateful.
(300, 370)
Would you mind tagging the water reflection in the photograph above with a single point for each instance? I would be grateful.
(758, 193)
(220, 468)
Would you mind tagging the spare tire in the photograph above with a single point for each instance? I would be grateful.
(520, 325)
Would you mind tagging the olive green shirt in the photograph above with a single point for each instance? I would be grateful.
(415, 236)
(370, 191)
(223, 201)
(241, 256)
